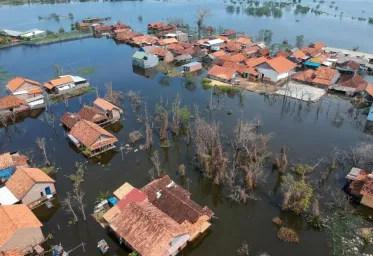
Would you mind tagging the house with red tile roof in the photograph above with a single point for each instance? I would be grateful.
(276, 69)
(19, 229)
(231, 34)
(323, 77)
(29, 186)
(351, 84)
(91, 139)
(223, 74)
(9, 161)
(12, 104)
(112, 111)
(24, 88)
(360, 185)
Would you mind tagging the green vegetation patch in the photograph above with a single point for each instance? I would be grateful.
(86, 71)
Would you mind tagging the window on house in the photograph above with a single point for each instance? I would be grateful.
(41, 194)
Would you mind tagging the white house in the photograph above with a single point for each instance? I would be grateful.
(65, 84)
(33, 33)
(214, 44)
(276, 69)
(144, 60)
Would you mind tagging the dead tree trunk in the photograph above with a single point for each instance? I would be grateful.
(42, 145)
(78, 197)
(68, 205)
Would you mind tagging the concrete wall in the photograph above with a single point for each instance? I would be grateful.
(368, 201)
(34, 193)
(115, 114)
(23, 238)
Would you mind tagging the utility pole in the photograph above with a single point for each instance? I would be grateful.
(188, 180)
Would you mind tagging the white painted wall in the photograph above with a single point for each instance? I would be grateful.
(272, 74)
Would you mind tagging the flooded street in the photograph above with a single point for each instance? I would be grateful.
(306, 134)
(307, 131)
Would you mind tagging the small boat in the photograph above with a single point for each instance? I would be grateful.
(102, 246)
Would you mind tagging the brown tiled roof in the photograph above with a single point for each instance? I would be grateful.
(318, 45)
(167, 41)
(20, 160)
(174, 201)
(264, 51)
(221, 72)
(232, 47)
(146, 229)
(218, 53)
(15, 83)
(251, 50)
(281, 64)
(311, 51)
(104, 104)
(324, 76)
(367, 189)
(92, 114)
(15, 252)
(243, 40)
(305, 76)
(127, 36)
(89, 133)
(175, 47)
(351, 65)
(238, 57)
(59, 81)
(11, 102)
(253, 62)
(24, 178)
(70, 119)
(15, 217)
(299, 55)
(284, 54)
(35, 91)
(6, 161)
(353, 81)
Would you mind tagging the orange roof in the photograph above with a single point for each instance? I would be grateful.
(218, 53)
(305, 76)
(104, 104)
(318, 45)
(299, 55)
(88, 134)
(253, 62)
(35, 91)
(243, 40)
(324, 76)
(281, 64)
(15, 252)
(11, 102)
(24, 178)
(369, 89)
(167, 41)
(15, 83)
(15, 217)
(6, 161)
(59, 81)
(222, 72)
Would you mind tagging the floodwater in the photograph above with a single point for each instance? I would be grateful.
(333, 31)
(307, 134)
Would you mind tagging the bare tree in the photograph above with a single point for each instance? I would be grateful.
(66, 100)
(162, 117)
(78, 198)
(201, 15)
(3, 119)
(165, 68)
(209, 150)
(281, 161)
(148, 131)
(182, 170)
(57, 70)
(51, 119)
(176, 114)
(244, 249)
(135, 136)
(136, 100)
(157, 170)
(42, 145)
(68, 205)
(114, 97)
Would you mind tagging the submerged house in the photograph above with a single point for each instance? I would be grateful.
(13, 105)
(112, 112)
(360, 185)
(226, 75)
(348, 67)
(351, 84)
(144, 60)
(175, 202)
(93, 115)
(159, 219)
(9, 162)
(65, 84)
(323, 77)
(26, 89)
(19, 228)
(91, 139)
(276, 69)
(29, 186)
